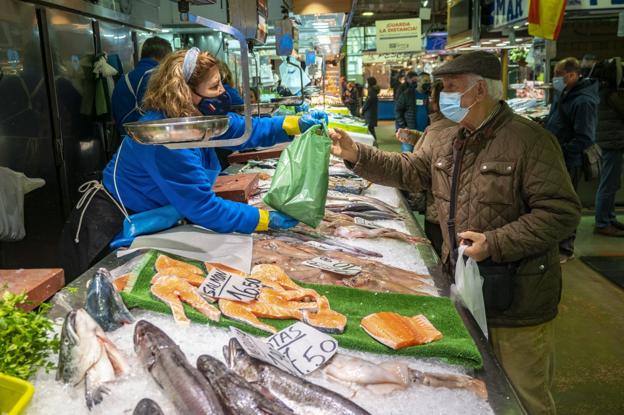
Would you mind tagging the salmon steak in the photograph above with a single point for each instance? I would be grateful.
(397, 331)
(173, 291)
(169, 266)
(325, 319)
(225, 268)
(274, 277)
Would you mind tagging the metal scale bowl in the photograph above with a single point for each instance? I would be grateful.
(178, 130)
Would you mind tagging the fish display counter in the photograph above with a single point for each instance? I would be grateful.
(153, 332)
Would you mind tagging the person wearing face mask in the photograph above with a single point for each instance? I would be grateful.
(500, 186)
(573, 119)
(412, 107)
(142, 178)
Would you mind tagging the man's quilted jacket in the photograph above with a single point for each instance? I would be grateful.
(513, 186)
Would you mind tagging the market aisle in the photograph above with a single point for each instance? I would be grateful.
(589, 328)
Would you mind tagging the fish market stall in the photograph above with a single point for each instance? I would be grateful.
(367, 227)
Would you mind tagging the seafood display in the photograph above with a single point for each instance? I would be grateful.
(375, 276)
(87, 355)
(173, 291)
(388, 377)
(282, 298)
(348, 185)
(183, 384)
(397, 331)
(169, 266)
(303, 397)
(236, 394)
(104, 304)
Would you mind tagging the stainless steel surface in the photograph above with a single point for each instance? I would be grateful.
(179, 130)
(26, 143)
(116, 39)
(258, 109)
(72, 46)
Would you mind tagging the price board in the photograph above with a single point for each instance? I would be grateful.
(221, 284)
(330, 264)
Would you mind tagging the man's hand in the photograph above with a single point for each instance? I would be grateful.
(479, 250)
(407, 136)
(343, 145)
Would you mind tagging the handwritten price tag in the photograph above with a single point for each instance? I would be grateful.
(221, 284)
(305, 347)
(260, 350)
(366, 223)
(329, 264)
(298, 349)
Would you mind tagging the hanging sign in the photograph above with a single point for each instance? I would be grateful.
(402, 35)
(594, 4)
(510, 11)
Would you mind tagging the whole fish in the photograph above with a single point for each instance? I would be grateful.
(237, 395)
(335, 197)
(147, 406)
(370, 215)
(302, 396)
(104, 303)
(182, 383)
(86, 354)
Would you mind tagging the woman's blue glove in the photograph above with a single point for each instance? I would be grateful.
(302, 108)
(311, 119)
(144, 223)
(278, 220)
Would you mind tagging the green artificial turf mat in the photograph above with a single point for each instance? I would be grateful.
(456, 347)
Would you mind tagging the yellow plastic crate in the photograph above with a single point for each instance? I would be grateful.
(14, 394)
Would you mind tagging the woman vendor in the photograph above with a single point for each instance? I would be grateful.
(141, 178)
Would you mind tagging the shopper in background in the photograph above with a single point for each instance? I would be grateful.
(610, 138)
(500, 185)
(411, 110)
(369, 110)
(588, 64)
(437, 124)
(351, 99)
(343, 89)
(572, 119)
(398, 87)
(130, 89)
(228, 80)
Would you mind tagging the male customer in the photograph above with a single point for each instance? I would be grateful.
(129, 90)
(499, 183)
(610, 138)
(572, 119)
(411, 109)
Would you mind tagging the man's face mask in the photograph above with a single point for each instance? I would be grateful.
(450, 105)
(426, 87)
(219, 105)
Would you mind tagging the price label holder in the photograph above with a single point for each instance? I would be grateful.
(221, 284)
(330, 264)
(298, 349)
(366, 223)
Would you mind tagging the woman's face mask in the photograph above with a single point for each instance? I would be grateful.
(450, 105)
(219, 105)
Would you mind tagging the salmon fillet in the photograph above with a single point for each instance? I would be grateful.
(173, 291)
(273, 276)
(240, 312)
(325, 319)
(397, 331)
(164, 262)
(225, 268)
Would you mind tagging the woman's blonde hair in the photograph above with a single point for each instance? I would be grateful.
(169, 93)
(226, 74)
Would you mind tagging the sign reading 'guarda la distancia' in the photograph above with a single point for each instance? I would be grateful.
(402, 35)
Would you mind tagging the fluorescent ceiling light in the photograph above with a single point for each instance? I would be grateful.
(367, 13)
(165, 30)
(516, 27)
(425, 3)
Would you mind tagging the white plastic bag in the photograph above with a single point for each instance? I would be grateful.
(13, 187)
(468, 287)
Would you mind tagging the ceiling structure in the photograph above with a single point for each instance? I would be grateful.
(397, 9)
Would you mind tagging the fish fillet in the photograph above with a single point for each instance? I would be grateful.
(325, 319)
(274, 276)
(225, 268)
(164, 262)
(397, 331)
(194, 279)
(173, 291)
(240, 312)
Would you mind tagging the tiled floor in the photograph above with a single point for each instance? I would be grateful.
(589, 377)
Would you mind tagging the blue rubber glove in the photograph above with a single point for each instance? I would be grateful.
(302, 108)
(278, 220)
(144, 223)
(311, 119)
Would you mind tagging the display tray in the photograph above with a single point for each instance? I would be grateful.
(456, 347)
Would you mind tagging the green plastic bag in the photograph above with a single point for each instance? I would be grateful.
(299, 186)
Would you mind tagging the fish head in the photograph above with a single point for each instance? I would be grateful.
(68, 353)
(104, 303)
(147, 406)
(150, 341)
(240, 362)
(211, 367)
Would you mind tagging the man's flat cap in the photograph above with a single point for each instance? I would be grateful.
(478, 62)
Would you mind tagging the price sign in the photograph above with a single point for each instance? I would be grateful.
(221, 284)
(366, 223)
(329, 264)
(305, 347)
(260, 350)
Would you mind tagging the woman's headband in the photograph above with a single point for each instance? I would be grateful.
(190, 60)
